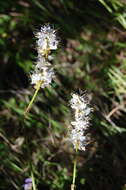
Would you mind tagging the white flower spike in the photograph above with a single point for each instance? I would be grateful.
(43, 72)
(47, 39)
(82, 110)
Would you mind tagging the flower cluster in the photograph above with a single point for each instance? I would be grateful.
(82, 110)
(28, 184)
(43, 72)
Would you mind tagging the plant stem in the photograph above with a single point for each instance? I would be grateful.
(33, 181)
(33, 98)
(74, 169)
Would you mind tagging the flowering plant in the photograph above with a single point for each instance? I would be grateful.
(43, 72)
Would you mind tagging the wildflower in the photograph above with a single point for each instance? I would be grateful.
(47, 40)
(28, 184)
(82, 110)
(43, 72)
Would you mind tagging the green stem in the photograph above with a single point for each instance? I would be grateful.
(33, 98)
(74, 169)
(33, 181)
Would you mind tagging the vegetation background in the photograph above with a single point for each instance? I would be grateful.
(91, 57)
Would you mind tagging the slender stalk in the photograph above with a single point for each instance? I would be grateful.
(74, 170)
(33, 181)
(33, 98)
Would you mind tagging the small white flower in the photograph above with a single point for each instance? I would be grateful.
(41, 65)
(80, 105)
(78, 139)
(45, 77)
(88, 111)
(78, 102)
(80, 125)
(47, 39)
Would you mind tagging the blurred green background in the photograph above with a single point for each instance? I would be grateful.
(91, 57)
